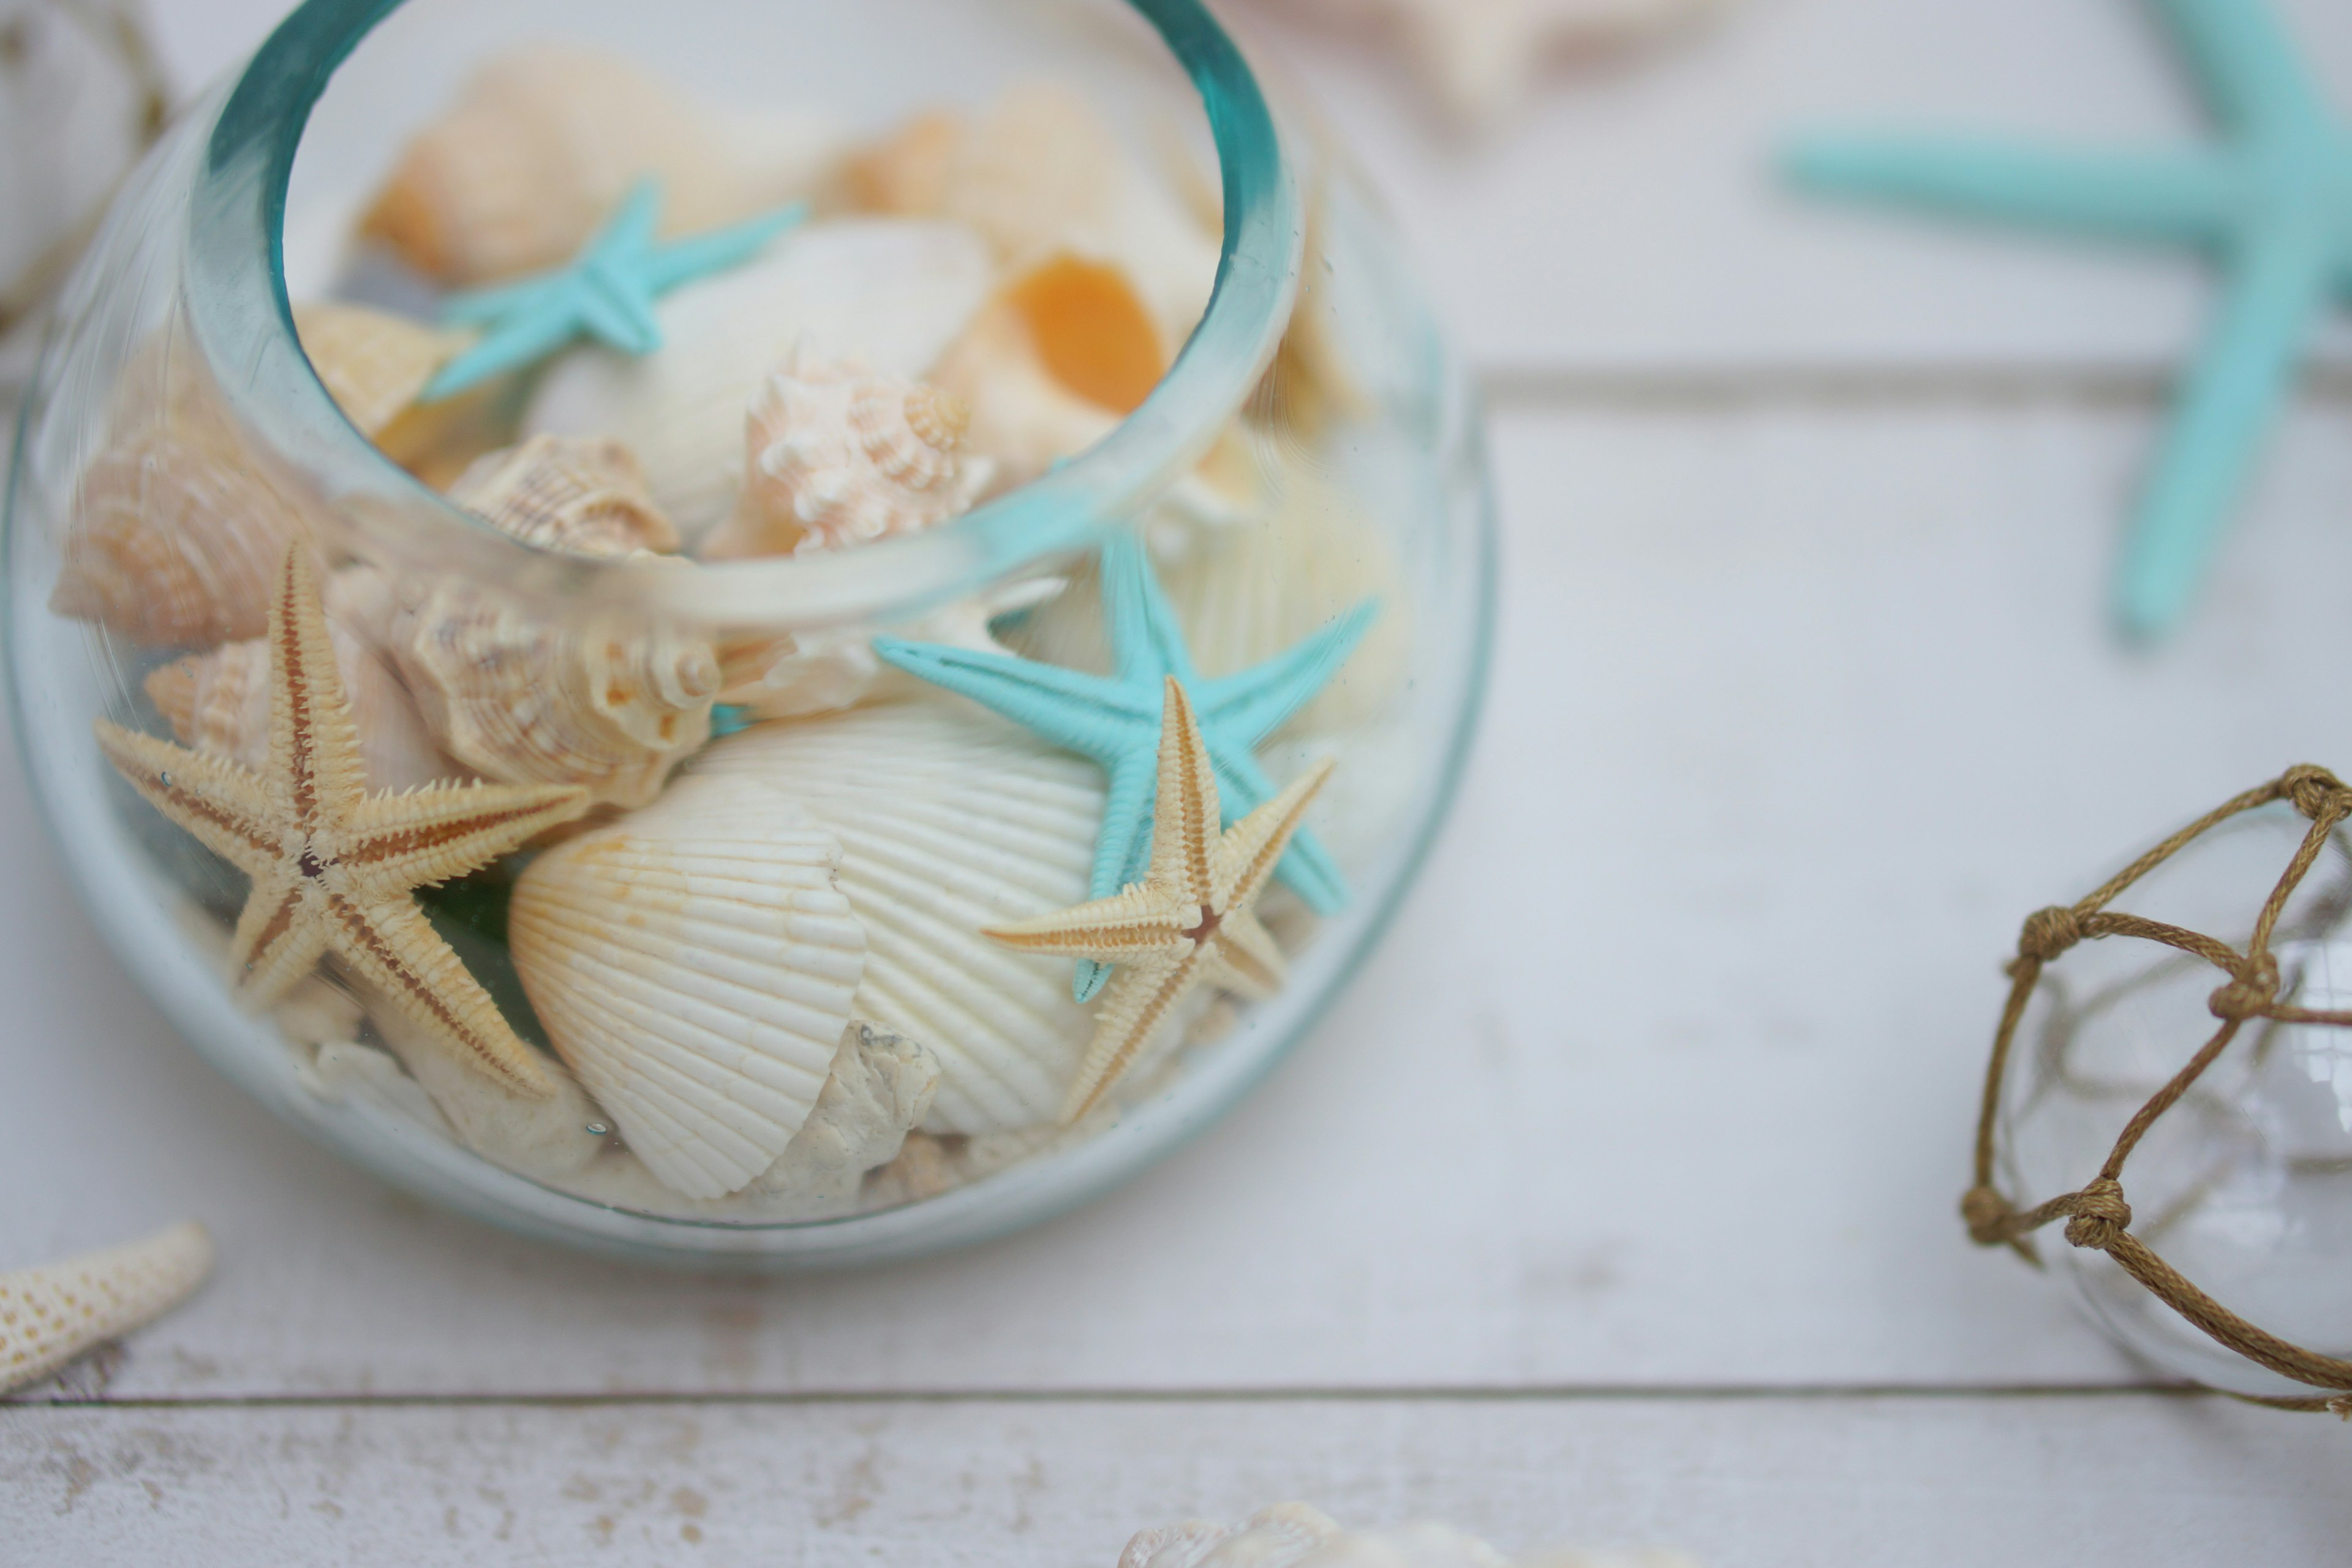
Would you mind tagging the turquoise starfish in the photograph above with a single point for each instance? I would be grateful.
(2271, 203)
(608, 290)
(1115, 719)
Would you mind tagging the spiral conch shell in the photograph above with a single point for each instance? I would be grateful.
(542, 144)
(694, 963)
(50, 1314)
(839, 455)
(520, 700)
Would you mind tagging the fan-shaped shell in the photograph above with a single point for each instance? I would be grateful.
(585, 496)
(543, 142)
(949, 821)
(50, 1314)
(694, 963)
(838, 455)
(893, 293)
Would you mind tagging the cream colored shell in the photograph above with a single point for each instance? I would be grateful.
(585, 496)
(949, 820)
(879, 1090)
(837, 455)
(893, 293)
(544, 141)
(50, 1314)
(695, 964)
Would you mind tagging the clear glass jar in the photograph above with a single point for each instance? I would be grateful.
(1302, 444)
(2245, 1185)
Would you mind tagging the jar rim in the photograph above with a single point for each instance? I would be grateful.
(242, 316)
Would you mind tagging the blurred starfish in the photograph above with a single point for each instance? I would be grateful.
(608, 290)
(2271, 203)
(1116, 719)
(1192, 920)
(331, 867)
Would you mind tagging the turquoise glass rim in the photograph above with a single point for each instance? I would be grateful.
(240, 313)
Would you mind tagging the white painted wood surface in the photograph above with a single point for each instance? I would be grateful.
(1660, 1085)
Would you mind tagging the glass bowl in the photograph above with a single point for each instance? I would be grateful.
(1020, 347)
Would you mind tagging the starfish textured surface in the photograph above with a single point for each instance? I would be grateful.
(1193, 920)
(53, 1313)
(2272, 203)
(1116, 719)
(607, 292)
(332, 866)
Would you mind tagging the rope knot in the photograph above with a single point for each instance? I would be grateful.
(2049, 932)
(2249, 993)
(2100, 1215)
(1988, 1215)
(2314, 791)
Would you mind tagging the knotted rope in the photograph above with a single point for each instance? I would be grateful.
(2098, 1217)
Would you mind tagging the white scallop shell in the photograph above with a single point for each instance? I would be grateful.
(544, 141)
(50, 1314)
(837, 455)
(889, 291)
(695, 964)
(949, 820)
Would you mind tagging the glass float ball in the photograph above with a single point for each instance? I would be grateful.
(2244, 1186)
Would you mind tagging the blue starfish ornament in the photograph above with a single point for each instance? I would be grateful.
(607, 292)
(1115, 719)
(2271, 203)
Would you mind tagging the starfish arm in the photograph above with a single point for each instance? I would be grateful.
(1252, 705)
(277, 941)
(1088, 714)
(2244, 62)
(619, 312)
(1146, 639)
(392, 842)
(1306, 866)
(314, 745)
(478, 307)
(224, 806)
(681, 260)
(2232, 398)
(629, 232)
(1253, 847)
(1137, 924)
(519, 340)
(1140, 999)
(1245, 960)
(395, 949)
(1185, 816)
(2180, 196)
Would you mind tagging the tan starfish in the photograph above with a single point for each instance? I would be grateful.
(1193, 919)
(332, 866)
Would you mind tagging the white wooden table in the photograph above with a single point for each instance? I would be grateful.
(1615, 1205)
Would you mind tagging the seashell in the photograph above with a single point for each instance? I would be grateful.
(585, 496)
(521, 701)
(374, 365)
(219, 701)
(824, 671)
(879, 1089)
(1024, 418)
(948, 820)
(694, 963)
(50, 1314)
(1256, 585)
(839, 456)
(905, 173)
(543, 142)
(890, 292)
(177, 527)
(1292, 1534)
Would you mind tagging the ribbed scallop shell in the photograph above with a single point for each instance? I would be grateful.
(694, 963)
(543, 142)
(585, 496)
(50, 1314)
(837, 455)
(893, 293)
(949, 821)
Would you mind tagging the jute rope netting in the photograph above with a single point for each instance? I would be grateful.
(2098, 1217)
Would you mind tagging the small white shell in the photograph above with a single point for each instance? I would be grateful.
(50, 1314)
(949, 820)
(893, 293)
(544, 141)
(695, 964)
(838, 456)
(582, 496)
(879, 1090)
